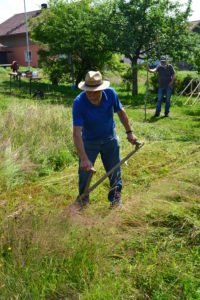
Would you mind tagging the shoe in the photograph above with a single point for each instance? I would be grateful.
(166, 115)
(116, 202)
(83, 201)
(156, 115)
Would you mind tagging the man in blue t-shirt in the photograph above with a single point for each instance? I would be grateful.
(94, 132)
(166, 77)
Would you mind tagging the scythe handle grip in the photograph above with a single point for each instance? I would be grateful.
(138, 145)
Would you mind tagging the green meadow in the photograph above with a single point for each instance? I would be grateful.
(149, 249)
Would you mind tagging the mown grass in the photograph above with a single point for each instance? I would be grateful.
(148, 250)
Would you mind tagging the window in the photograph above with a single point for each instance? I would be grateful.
(28, 56)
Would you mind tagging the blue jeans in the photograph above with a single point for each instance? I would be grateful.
(161, 92)
(110, 155)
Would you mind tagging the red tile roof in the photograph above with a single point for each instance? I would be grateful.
(16, 24)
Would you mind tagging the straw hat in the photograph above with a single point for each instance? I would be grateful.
(93, 82)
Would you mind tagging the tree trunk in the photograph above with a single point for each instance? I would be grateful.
(134, 77)
(80, 76)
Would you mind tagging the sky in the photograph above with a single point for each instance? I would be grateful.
(8, 8)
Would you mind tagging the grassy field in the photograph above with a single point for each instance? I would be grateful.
(150, 249)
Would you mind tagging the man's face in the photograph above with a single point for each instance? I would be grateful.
(94, 97)
(163, 62)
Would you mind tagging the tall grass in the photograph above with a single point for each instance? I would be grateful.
(148, 250)
(35, 140)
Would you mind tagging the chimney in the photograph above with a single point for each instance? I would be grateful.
(43, 6)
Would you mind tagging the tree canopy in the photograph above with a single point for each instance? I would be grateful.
(87, 32)
(150, 28)
(70, 33)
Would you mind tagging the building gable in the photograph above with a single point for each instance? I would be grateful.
(16, 24)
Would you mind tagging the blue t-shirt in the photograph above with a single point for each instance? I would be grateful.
(97, 122)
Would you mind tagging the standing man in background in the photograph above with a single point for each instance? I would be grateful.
(94, 133)
(166, 77)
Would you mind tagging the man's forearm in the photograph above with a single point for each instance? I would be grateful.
(85, 163)
(172, 79)
(152, 70)
(124, 120)
(78, 142)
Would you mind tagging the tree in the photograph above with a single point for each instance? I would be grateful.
(88, 32)
(195, 58)
(147, 29)
(72, 30)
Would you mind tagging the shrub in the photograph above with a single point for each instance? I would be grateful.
(179, 84)
(182, 83)
(127, 78)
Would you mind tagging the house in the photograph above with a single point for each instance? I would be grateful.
(3, 54)
(13, 40)
(195, 26)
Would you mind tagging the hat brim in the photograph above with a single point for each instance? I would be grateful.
(82, 86)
